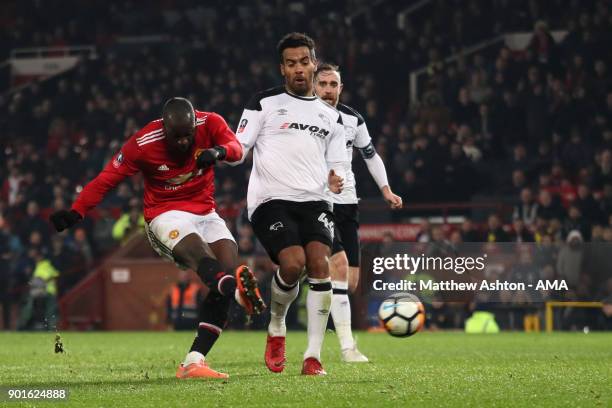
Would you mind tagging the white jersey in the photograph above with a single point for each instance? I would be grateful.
(356, 135)
(295, 141)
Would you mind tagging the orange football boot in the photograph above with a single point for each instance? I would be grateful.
(198, 370)
(246, 285)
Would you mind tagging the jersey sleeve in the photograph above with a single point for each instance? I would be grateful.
(376, 166)
(223, 136)
(122, 165)
(362, 137)
(250, 125)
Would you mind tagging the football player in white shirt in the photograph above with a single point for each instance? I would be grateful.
(345, 258)
(298, 155)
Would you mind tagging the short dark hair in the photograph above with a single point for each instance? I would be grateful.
(295, 40)
(325, 67)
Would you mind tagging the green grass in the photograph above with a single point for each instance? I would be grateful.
(429, 369)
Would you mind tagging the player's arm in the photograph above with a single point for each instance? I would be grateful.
(227, 148)
(121, 166)
(376, 166)
(249, 127)
(335, 155)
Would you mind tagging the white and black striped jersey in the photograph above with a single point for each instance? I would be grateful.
(356, 136)
(295, 141)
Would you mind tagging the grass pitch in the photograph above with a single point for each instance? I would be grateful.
(429, 369)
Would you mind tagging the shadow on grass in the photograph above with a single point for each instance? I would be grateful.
(137, 381)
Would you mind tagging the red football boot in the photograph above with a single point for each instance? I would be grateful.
(275, 353)
(312, 366)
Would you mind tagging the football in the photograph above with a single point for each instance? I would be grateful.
(402, 314)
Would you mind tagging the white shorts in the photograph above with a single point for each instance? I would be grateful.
(168, 229)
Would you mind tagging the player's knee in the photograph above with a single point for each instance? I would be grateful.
(317, 266)
(291, 267)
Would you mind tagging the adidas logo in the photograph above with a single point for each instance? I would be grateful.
(163, 167)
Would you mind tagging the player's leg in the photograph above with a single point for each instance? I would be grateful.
(340, 306)
(338, 270)
(175, 235)
(316, 231)
(278, 233)
(318, 302)
(213, 317)
(196, 254)
(215, 232)
(214, 309)
(179, 236)
(346, 256)
(284, 290)
(285, 287)
(353, 278)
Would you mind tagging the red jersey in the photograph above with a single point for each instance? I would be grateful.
(168, 184)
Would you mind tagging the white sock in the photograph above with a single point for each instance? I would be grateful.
(341, 314)
(318, 303)
(193, 357)
(279, 305)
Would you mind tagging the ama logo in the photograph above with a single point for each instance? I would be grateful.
(314, 130)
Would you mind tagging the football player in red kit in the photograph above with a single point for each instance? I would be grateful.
(176, 155)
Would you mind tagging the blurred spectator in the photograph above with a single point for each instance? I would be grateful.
(33, 222)
(5, 277)
(468, 231)
(587, 204)
(545, 253)
(495, 231)
(576, 222)
(129, 222)
(527, 208)
(40, 309)
(183, 302)
(63, 258)
(569, 262)
(103, 232)
(548, 208)
(424, 234)
(520, 233)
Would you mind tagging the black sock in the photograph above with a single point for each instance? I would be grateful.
(213, 317)
(213, 275)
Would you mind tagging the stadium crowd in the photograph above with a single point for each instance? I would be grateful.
(532, 128)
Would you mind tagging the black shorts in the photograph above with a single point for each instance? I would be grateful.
(279, 224)
(346, 236)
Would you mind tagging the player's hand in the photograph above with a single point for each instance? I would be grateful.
(64, 219)
(335, 182)
(393, 200)
(209, 157)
